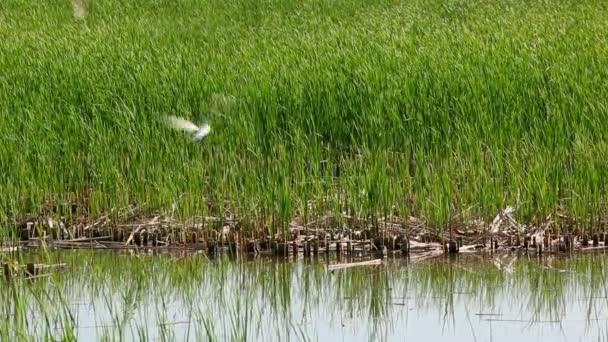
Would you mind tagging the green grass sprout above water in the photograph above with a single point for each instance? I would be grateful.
(428, 108)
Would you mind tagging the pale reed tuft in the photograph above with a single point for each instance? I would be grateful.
(220, 103)
(79, 8)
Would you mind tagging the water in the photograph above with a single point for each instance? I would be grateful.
(117, 296)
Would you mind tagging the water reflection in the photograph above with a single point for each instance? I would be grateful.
(189, 297)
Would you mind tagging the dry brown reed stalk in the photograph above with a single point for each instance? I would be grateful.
(141, 226)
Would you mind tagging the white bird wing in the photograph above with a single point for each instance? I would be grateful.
(202, 132)
(183, 124)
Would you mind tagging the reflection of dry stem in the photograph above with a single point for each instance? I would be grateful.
(505, 263)
(79, 8)
(354, 264)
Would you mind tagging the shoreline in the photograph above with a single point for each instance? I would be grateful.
(129, 228)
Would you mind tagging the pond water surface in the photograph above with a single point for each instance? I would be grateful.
(136, 296)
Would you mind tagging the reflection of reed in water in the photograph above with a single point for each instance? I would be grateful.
(278, 300)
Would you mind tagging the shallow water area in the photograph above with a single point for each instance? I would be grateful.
(139, 296)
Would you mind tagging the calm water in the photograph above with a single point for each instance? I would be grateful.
(118, 297)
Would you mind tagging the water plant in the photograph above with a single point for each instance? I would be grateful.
(437, 109)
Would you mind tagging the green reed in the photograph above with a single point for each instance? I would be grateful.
(428, 108)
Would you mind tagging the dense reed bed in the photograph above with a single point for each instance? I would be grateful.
(444, 109)
(188, 297)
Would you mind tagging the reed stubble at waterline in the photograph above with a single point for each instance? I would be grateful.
(130, 228)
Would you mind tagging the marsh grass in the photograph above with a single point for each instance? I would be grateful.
(437, 109)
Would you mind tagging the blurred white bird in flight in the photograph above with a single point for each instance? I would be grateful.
(199, 132)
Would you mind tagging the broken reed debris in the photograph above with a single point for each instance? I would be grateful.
(130, 227)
